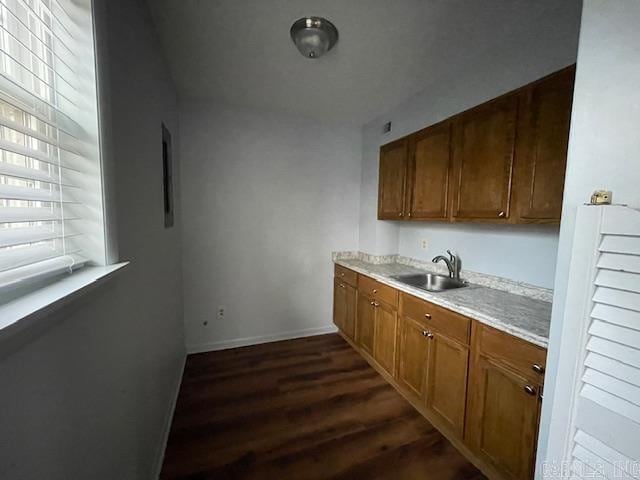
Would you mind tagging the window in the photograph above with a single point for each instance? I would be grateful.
(51, 209)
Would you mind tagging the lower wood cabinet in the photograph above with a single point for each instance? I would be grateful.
(344, 307)
(365, 325)
(432, 365)
(503, 409)
(503, 418)
(386, 336)
(377, 324)
(446, 390)
(413, 355)
(481, 387)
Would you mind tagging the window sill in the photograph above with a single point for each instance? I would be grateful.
(18, 314)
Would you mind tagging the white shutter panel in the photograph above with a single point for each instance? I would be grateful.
(50, 188)
(601, 405)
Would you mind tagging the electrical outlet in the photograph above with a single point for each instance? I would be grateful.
(220, 312)
(424, 244)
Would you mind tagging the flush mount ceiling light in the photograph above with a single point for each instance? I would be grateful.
(314, 36)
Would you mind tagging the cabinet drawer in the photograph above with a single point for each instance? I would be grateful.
(346, 275)
(378, 291)
(525, 357)
(440, 319)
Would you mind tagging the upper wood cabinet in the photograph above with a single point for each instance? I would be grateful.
(483, 152)
(393, 170)
(428, 172)
(503, 161)
(543, 138)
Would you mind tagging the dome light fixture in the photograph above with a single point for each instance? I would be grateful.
(314, 36)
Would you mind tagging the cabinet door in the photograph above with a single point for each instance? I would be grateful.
(412, 356)
(541, 154)
(386, 337)
(447, 381)
(365, 324)
(503, 418)
(339, 304)
(349, 324)
(428, 176)
(391, 189)
(484, 140)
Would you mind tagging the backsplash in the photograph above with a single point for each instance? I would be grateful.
(491, 281)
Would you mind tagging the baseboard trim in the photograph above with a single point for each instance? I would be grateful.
(244, 342)
(168, 420)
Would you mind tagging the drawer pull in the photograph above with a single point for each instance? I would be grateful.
(502, 214)
(426, 333)
(537, 368)
(374, 291)
(376, 305)
(529, 390)
(427, 316)
(373, 304)
(342, 274)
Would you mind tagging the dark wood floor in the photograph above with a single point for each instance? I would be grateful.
(302, 409)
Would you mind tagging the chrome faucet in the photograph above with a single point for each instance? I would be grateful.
(453, 264)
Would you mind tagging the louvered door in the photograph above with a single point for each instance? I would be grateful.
(595, 423)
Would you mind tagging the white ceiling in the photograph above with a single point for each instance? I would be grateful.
(239, 52)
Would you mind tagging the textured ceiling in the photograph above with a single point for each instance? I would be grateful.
(239, 52)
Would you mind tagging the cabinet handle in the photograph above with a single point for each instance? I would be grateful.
(400, 214)
(342, 274)
(374, 291)
(409, 214)
(342, 285)
(501, 214)
(426, 333)
(529, 390)
(373, 304)
(376, 305)
(427, 316)
(537, 368)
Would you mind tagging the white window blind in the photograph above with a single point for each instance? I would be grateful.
(51, 218)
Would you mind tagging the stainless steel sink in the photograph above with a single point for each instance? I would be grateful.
(431, 282)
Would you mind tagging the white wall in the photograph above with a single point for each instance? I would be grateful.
(521, 254)
(604, 148)
(89, 397)
(539, 46)
(266, 199)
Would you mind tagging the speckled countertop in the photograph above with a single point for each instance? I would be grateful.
(522, 316)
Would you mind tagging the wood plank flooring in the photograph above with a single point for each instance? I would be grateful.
(301, 409)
